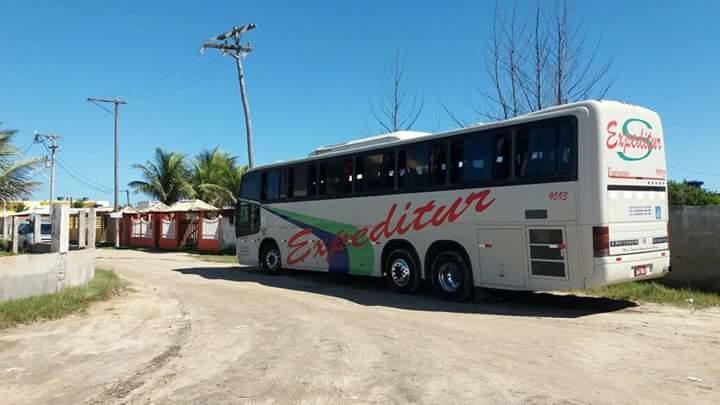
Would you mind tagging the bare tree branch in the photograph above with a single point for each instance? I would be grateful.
(539, 61)
(397, 109)
(452, 115)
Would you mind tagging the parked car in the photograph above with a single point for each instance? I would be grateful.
(26, 230)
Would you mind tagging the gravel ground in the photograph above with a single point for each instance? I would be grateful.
(189, 331)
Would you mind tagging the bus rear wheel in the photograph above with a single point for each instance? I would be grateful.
(452, 278)
(270, 259)
(402, 271)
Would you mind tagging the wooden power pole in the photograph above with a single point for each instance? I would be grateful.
(116, 101)
(231, 45)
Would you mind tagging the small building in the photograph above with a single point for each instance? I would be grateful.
(187, 224)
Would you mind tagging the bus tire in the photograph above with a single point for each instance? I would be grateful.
(402, 271)
(452, 277)
(270, 259)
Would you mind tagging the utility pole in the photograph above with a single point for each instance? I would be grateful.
(53, 147)
(116, 101)
(231, 45)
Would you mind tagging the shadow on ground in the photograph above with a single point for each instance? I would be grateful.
(371, 291)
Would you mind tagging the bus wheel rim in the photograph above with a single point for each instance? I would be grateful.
(271, 259)
(400, 272)
(450, 277)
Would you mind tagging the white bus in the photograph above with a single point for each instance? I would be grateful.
(573, 196)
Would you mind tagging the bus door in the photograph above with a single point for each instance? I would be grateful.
(501, 253)
(247, 226)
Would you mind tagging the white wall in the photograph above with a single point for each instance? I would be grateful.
(227, 234)
(36, 274)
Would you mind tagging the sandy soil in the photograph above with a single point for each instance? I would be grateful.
(196, 332)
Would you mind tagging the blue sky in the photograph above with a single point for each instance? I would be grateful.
(316, 67)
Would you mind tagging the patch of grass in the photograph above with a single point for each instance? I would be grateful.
(5, 253)
(660, 293)
(68, 301)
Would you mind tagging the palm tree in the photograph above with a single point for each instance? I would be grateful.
(216, 177)
(15, 174)
(166, 177)
(234, 180)
(209, 169)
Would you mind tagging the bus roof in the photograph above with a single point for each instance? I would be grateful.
(403, 137)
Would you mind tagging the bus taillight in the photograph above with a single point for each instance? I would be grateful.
(601, 241)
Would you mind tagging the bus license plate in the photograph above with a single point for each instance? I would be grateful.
(642, 270)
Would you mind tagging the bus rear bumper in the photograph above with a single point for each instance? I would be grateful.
(632, 267)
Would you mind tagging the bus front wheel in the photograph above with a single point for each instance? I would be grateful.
(452, 278)
(402, 271)
(270, 259)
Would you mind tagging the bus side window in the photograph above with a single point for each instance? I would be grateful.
(289, 186)
(250, 186)
(283, 184)
(413, 166)
(402, 168)
(521, 153)
(438, 166)
(336, 176)
(457, 161)
(473, 160)
(565, 147)
(389, 171)
(323, 179)
(299, 180)
(312, 184)
(544, 150)
(359, 174)
(373, 171)
(542, 141)
(501, 156)
(270, 185)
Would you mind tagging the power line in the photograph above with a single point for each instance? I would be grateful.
(81, 180)
(87, 179)
(44, 173)
(166, 79)
(168, 89)
(694, 171)
(27, 148)
(98, 104)
(79, 174)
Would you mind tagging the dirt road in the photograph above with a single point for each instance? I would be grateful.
(196, 332)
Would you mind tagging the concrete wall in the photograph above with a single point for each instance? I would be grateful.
(35, 274)
(695, 245)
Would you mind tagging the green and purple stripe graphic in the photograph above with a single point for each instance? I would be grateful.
(351, 258)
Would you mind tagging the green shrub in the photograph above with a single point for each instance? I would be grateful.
(682, 193)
